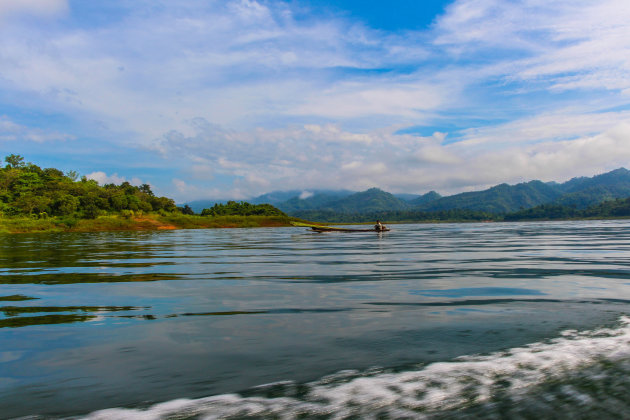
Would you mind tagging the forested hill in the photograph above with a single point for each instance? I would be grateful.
(502, 198)
(584, 192)
(33, 199)
(371, 200)
(578, 193)
(27, 189)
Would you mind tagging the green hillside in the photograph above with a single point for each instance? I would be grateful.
(609, 209)
(33, 199)
(613, 179)
(27, 189)
(578, 193)
(584, 192)
(372, 200)
(502, 198)
(427, 198)
(319, 200)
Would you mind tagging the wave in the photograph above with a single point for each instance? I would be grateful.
(429, 391)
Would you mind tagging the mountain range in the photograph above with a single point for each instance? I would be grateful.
(578, 193)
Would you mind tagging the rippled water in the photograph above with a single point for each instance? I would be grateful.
(439, 321)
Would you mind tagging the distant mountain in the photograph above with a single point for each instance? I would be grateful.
(275, 197)
(578, 193)
(425, 199)
(279, 198)
(372, 200)
(584, 192)
(613, 179)
(319, 199)
(502, 198)
(406, 197)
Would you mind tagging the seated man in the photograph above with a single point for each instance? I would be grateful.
(379, 226)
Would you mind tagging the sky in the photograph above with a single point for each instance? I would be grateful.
(207, 99)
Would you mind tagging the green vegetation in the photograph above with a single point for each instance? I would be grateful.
(370, 201)
(233, 208)
(16, 298)
(33, 199)
(500, 199)
(618, 208)
(578, 193)
(28, 190)
(329, 216)
(27, 321)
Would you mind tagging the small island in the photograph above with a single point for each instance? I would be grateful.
(33, 199)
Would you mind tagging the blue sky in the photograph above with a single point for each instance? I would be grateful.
(232, 99)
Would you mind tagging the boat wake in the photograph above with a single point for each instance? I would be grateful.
(585, 370)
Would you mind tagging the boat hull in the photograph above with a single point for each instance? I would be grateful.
(334, 229)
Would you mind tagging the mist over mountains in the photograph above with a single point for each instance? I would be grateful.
(578, 193)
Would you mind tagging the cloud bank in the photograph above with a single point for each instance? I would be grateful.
(244, 97)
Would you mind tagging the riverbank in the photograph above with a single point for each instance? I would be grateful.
(140, 222)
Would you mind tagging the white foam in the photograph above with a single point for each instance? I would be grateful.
(437, 386)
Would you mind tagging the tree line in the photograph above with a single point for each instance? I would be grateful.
(27, 189)
(243, 208)
(617, 208)
(451, 215)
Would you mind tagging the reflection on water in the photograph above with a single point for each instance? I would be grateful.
(14, 298)
(91, 321)
(15, 320)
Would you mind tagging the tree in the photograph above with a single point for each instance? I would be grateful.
(26, 189)
(187, 210)
(146, 188)
(14, 161)
(65, 205)
(73, 175)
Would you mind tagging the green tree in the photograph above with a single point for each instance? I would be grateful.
(146, 188)
(65, 205)
(14, 161)
(73, 175)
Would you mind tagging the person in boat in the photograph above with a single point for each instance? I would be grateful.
(379, 226)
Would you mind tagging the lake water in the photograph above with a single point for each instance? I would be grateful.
(494, 320)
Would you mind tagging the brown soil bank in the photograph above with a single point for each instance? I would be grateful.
(142, 222)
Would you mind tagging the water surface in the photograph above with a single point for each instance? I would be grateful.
(477, 320)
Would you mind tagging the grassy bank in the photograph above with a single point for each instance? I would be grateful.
(143, 222)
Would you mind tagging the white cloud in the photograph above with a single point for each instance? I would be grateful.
(44, 8)
(152, 71)
(359, 100)
(183, 187)
(11, 131)
(317, 156)
(102, 178)
(246, 91)
(565, 44)
(559, 125)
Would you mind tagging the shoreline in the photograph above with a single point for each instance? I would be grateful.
(146, 222)
(153, 222)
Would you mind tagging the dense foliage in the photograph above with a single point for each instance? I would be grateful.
(608, 209)
(453, 215)
(372, 200)
(578, 193)
(27, 189)
(233, 208)
(502, 198)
